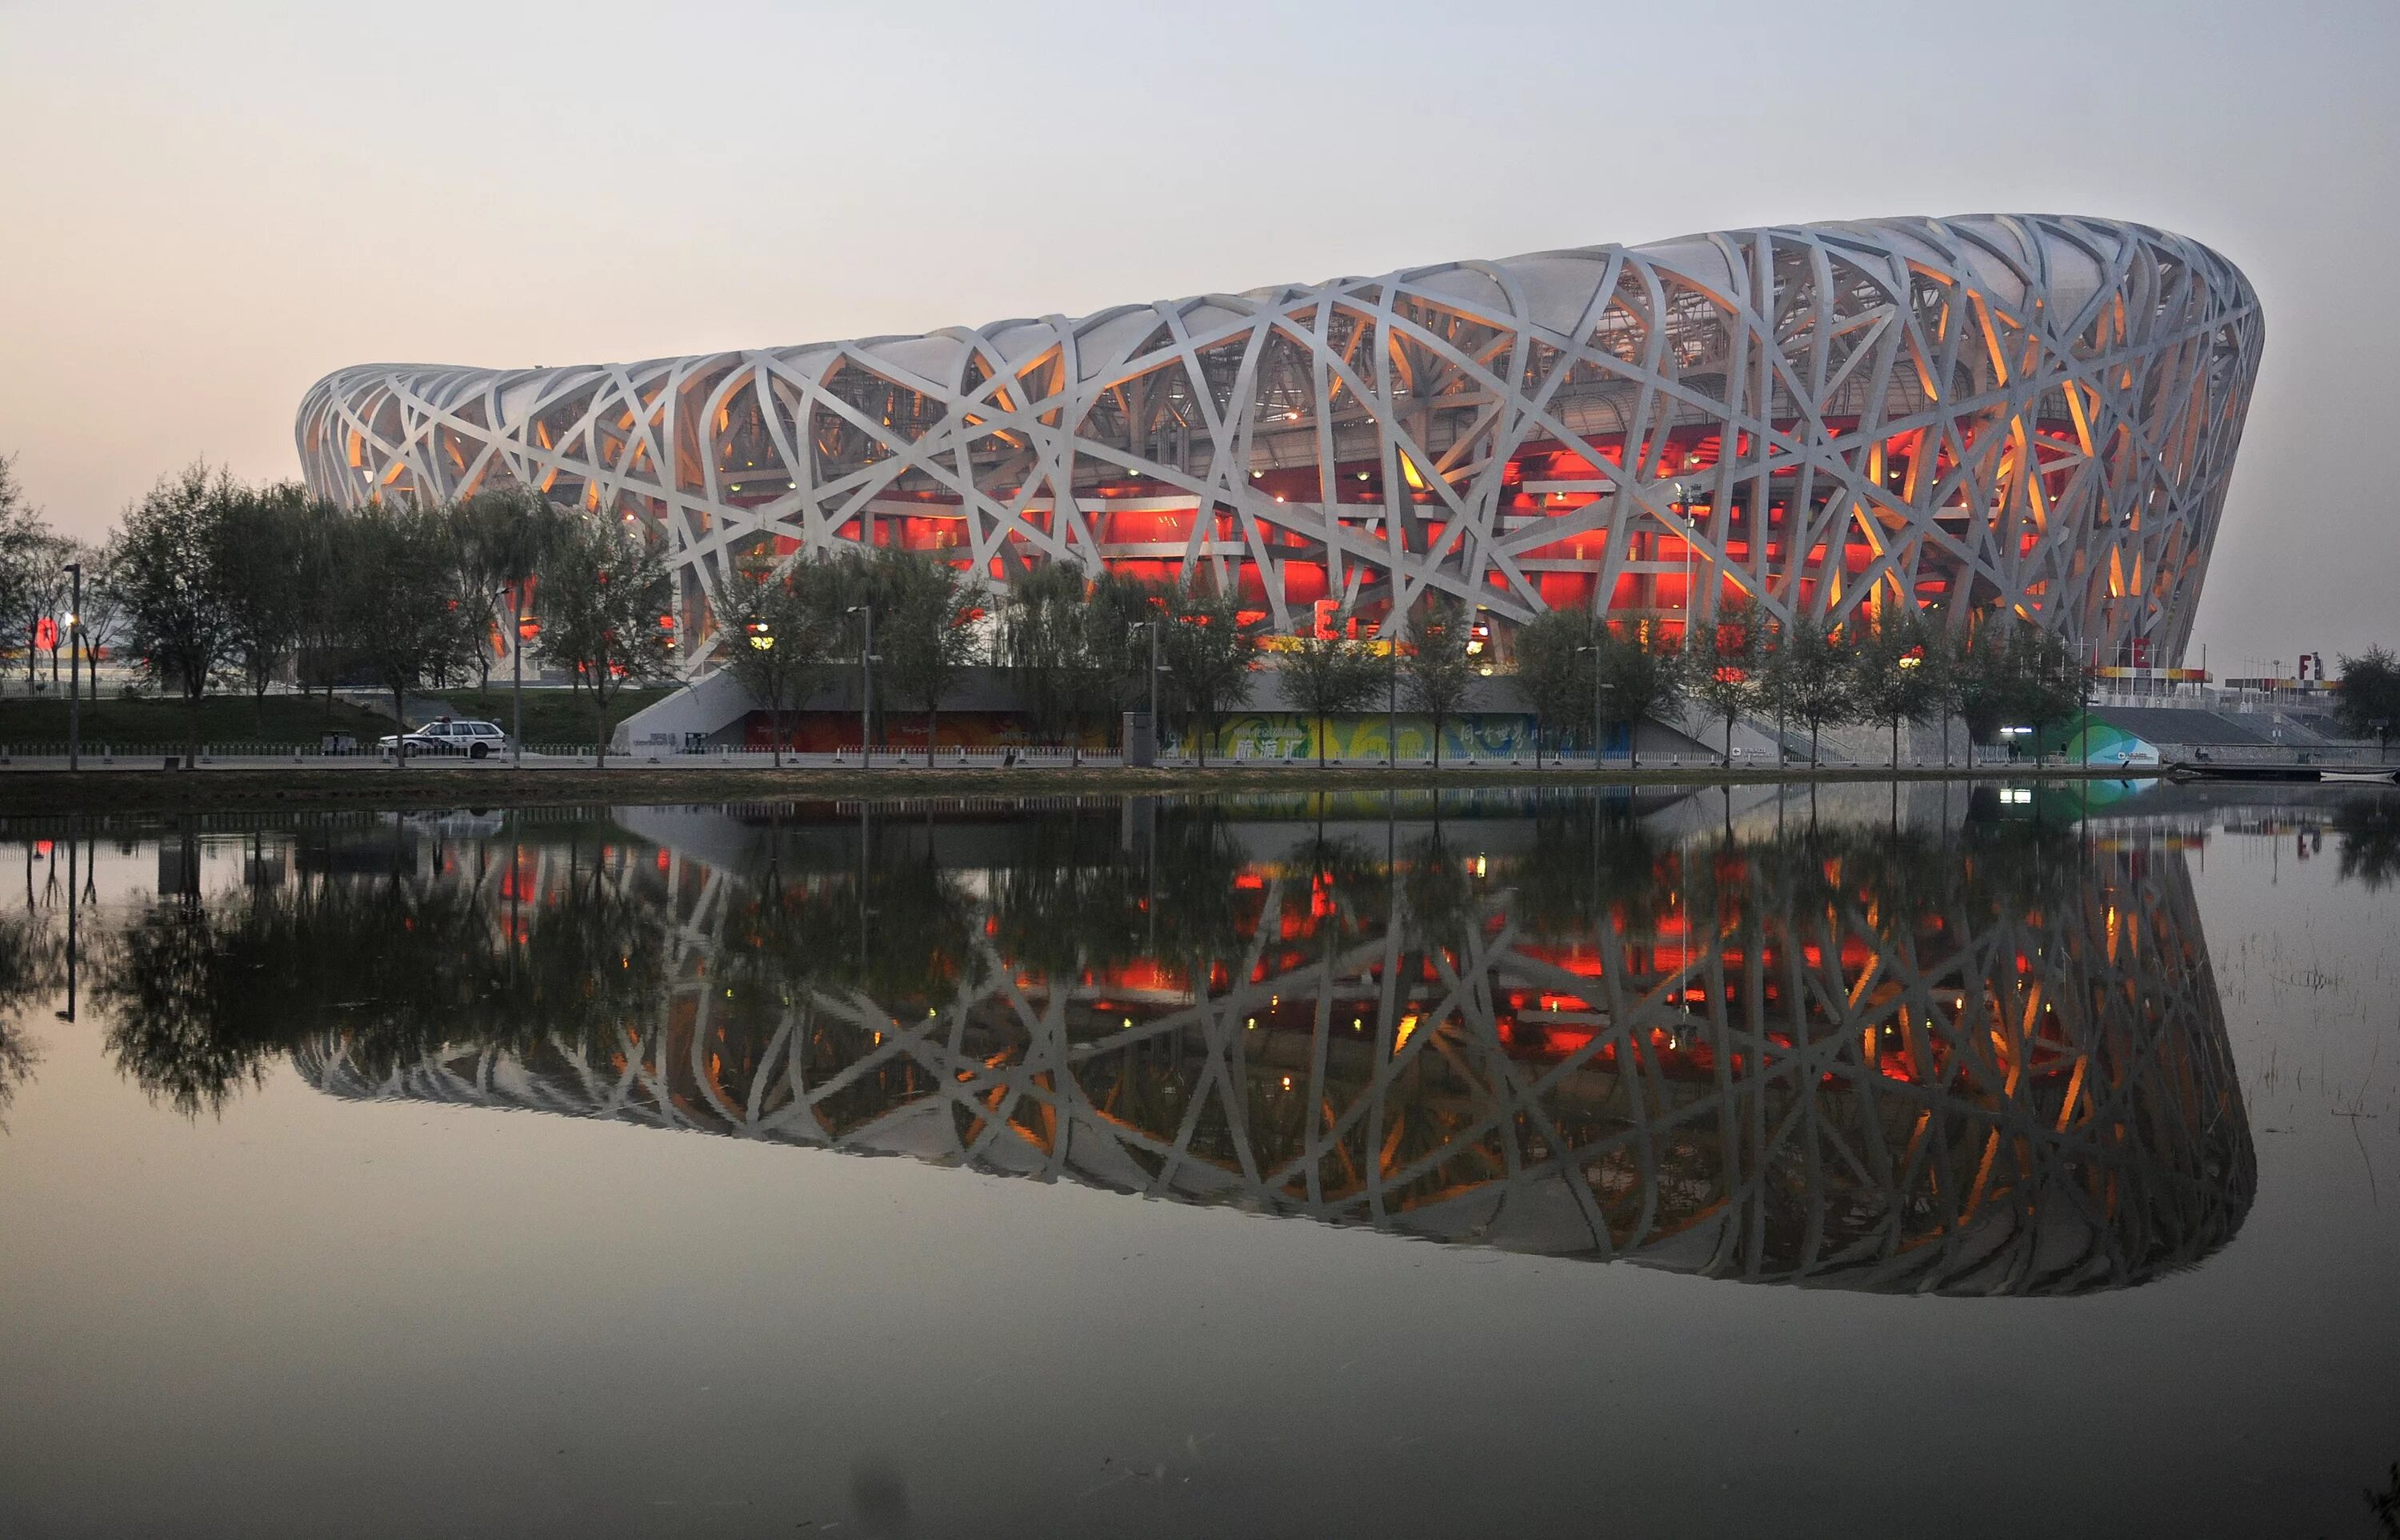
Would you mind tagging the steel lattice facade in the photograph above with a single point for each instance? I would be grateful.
(1994, 412)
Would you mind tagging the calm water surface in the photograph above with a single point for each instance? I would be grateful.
(1855, 1160)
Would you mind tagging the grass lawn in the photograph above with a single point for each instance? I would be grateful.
(113, 720)
(550, 716)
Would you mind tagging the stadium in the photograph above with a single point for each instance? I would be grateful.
(1989, 414)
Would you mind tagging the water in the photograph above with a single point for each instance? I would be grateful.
(1862, 1160)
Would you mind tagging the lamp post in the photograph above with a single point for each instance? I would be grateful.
(867, 683)
(1683, 504)
(1157, 668)
(1594, 650)
(762, 639)
(75, 667)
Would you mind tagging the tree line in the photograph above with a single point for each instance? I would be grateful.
(211, 582)
(1580, 674)
(1079, 647)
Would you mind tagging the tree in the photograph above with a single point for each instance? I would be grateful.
(779, 626)
(101, 621)
(1775, 678)
(1326, 675)
(400, 602)
(2367, 701)
(2049, 680)
(1945, 667)
(606, 591)
(1724, 666)
(327, 557)
(1815, 680)
(1118, 614)
(1438, 667)
(1983, 679)
(1893, 672)
(256, 562)
(163, 575)
(1209, 653)
(25, 551)
(1044, 641)
(1554, 669)
(925, 611)
(41, 596)
(1639, 682)
(498, 538)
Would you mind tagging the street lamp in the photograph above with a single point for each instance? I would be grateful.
(1594, 650)
(1155, 669)
(1680, 501)
(866, 685)
(75, 668)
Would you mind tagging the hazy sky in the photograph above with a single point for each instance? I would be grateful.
(203, 208)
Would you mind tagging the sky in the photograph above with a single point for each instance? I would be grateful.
(205, 208)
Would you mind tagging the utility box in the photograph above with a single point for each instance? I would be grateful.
(1140, 740)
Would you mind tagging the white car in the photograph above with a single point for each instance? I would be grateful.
(474, 739)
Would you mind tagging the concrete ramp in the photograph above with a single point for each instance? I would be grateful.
(698, 712)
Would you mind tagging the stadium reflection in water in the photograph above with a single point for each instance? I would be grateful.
(1950, 1055)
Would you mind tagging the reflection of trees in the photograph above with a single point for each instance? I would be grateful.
(1985, 1061)
(189, 1002)
(1205, 919)
(30, 966)
(1066, 899)
(2369, 827)
(1597, 865)
(202, 994)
